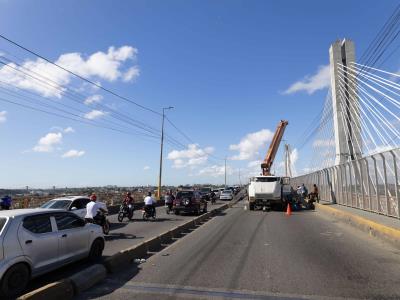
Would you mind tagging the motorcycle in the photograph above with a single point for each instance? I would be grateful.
(148, 213)
(168, 208)
(125, 210)
(101, 220)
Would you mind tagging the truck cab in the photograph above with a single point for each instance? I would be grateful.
(268, 191)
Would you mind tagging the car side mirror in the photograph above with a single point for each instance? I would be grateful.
(74, 208)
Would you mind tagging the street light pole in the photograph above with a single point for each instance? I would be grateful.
(225, 172)
(161, 151)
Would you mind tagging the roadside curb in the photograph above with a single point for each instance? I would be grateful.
(386, 233)
(85, 279)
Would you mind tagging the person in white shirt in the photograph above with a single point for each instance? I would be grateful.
(93, 208)
(149, 203)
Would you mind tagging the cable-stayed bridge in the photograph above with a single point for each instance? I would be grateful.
(356, 152)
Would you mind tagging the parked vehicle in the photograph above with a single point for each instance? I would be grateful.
(75, 204)
(226, 195)
(37, 241)
(189, 201)
(101, 220)
(216, 192)
(125, 210)
(268, 191)
(148, 213)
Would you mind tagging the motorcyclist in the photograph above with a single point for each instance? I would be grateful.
(6, 202)
(212, 197)
(169, 200)
(128, 200)
(93, 208)
(149, 204)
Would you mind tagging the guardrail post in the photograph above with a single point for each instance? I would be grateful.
(369, 185)
(361, 182)
(396, 184)
(351, 185)
(378, 204)
(385, 183)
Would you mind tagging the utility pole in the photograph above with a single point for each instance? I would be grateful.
(161, 151)
(225, 172)
(240, 180)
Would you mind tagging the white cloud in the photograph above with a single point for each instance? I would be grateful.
(249, 145)
(146, 168)
(93, 99)
(3, 116)
(311, 84)
(48, 142)
(192, 156)
(215, 171)
(73, 153)
(254, 163)
(324, 143)
(131, 74)
(94, 114)
(69, 130)
(100, 65)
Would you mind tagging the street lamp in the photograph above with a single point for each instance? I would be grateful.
(161, 151)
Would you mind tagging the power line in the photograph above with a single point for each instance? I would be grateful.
(79, 76)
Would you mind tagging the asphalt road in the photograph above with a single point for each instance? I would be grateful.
(263, 255)
(122, 235)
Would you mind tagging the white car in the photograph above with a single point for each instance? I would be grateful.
(36, 241)
(75, 204)
(226, 195)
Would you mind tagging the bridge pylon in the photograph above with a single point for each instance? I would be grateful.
(345, 103)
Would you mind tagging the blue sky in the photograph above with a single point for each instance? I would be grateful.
(223, 65)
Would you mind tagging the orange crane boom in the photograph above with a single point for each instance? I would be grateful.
(273, 148)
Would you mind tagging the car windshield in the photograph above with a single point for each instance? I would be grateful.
(186, 194)
(2, 223)
(57, 204)
(227, 192)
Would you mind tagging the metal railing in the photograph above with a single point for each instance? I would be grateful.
(370, 183)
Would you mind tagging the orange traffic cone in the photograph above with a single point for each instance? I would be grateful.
(288, 210)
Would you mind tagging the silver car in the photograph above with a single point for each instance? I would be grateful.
(76, 204)
(36, 241)
(226, 195)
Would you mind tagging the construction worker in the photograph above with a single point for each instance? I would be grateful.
(315, 193)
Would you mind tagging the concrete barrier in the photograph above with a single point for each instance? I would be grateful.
(87, 278)
(60, 290)
(166, 238)
(138, 251)
(386, 233)
(154, 244)
(115, 262)
(176, 232)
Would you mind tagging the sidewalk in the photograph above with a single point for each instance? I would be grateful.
(380, 226)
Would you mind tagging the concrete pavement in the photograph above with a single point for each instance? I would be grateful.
(259, 255)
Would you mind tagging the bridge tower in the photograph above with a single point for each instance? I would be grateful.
(345, 103)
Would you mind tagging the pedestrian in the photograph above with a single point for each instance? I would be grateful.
(315, 193)
(6, 202)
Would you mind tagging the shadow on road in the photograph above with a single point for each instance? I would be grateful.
(120, 236)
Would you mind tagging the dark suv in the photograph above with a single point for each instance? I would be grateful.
(189, 201)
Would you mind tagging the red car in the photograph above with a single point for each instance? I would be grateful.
(189, 201)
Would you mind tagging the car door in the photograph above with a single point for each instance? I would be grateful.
(73, 236)
(39, 241)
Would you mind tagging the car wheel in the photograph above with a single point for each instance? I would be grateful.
(96, 250)
(251, 206)
(15, 281)
(121, 216)
(177, 212)
(106, 227)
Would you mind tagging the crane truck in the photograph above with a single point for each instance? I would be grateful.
(267, 190)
